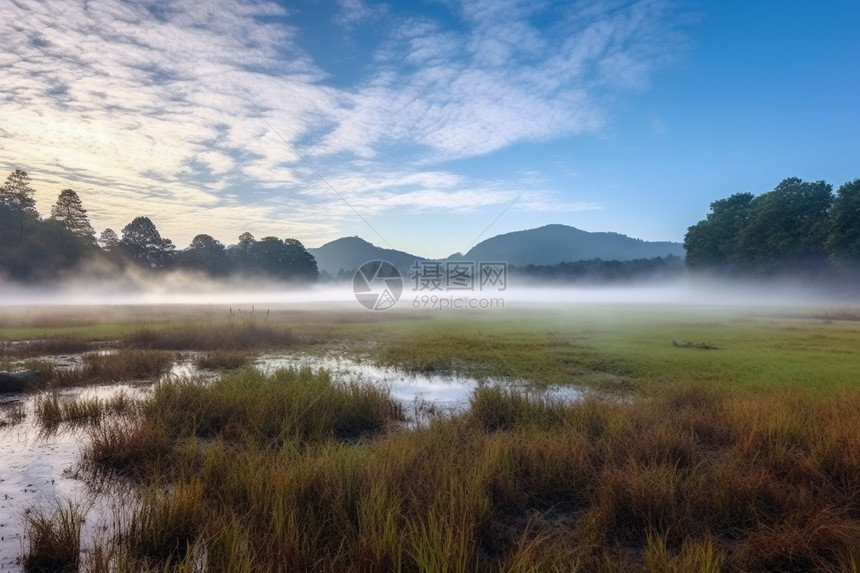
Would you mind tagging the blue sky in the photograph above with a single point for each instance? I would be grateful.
(424, 126)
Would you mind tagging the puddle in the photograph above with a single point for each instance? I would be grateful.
(184, 367)
(35, 469)
(441, 392)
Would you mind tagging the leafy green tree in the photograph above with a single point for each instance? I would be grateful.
(70, 212)
(712, 241)
(142, 243)
(844, 240)
(788, 227)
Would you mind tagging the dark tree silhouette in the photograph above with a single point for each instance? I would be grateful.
(246, 240)
(142, 243)
(205, 254)
(32, 249)
(109, 240)
(303, 264)
(70, 212)
(272, 257)
(17, 194)
(597, 271)
(17, 205)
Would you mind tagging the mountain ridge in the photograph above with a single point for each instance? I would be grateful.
(547, 245)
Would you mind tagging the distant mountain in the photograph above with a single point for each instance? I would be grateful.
(553, 244)
(547, 245)
(349, 253)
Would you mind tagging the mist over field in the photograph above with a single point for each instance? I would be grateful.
(184, 288)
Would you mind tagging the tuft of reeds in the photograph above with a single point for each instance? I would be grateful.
(53, 539)
(52, 411)
(48, 411)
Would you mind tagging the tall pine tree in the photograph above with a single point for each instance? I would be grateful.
(69, 211)
(17, 194)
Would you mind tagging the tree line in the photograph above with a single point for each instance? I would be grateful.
(799, 227)
(35, 248)
(599, 271)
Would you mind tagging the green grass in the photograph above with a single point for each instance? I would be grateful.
(611, 351)
(616, 349)
(84, 332)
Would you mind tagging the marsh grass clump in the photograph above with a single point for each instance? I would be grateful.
(52, 410)
(496, 408)
(124, 364)
(271, 409)
(166, 525)
(290, 408)
(222, 360)
(48, 411)
(54, 539)
(127, 448)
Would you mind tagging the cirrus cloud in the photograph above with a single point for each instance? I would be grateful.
(217, 114)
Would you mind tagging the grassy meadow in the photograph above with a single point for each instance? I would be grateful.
(710, 439)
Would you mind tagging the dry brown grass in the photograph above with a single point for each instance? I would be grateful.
(684, 479)
(54, 539)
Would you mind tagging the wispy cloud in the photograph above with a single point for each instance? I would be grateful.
(165, 109)
(351, 12)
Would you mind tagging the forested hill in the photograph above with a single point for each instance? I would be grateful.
(553, 244)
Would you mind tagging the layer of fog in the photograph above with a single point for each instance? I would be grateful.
(183, 289)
